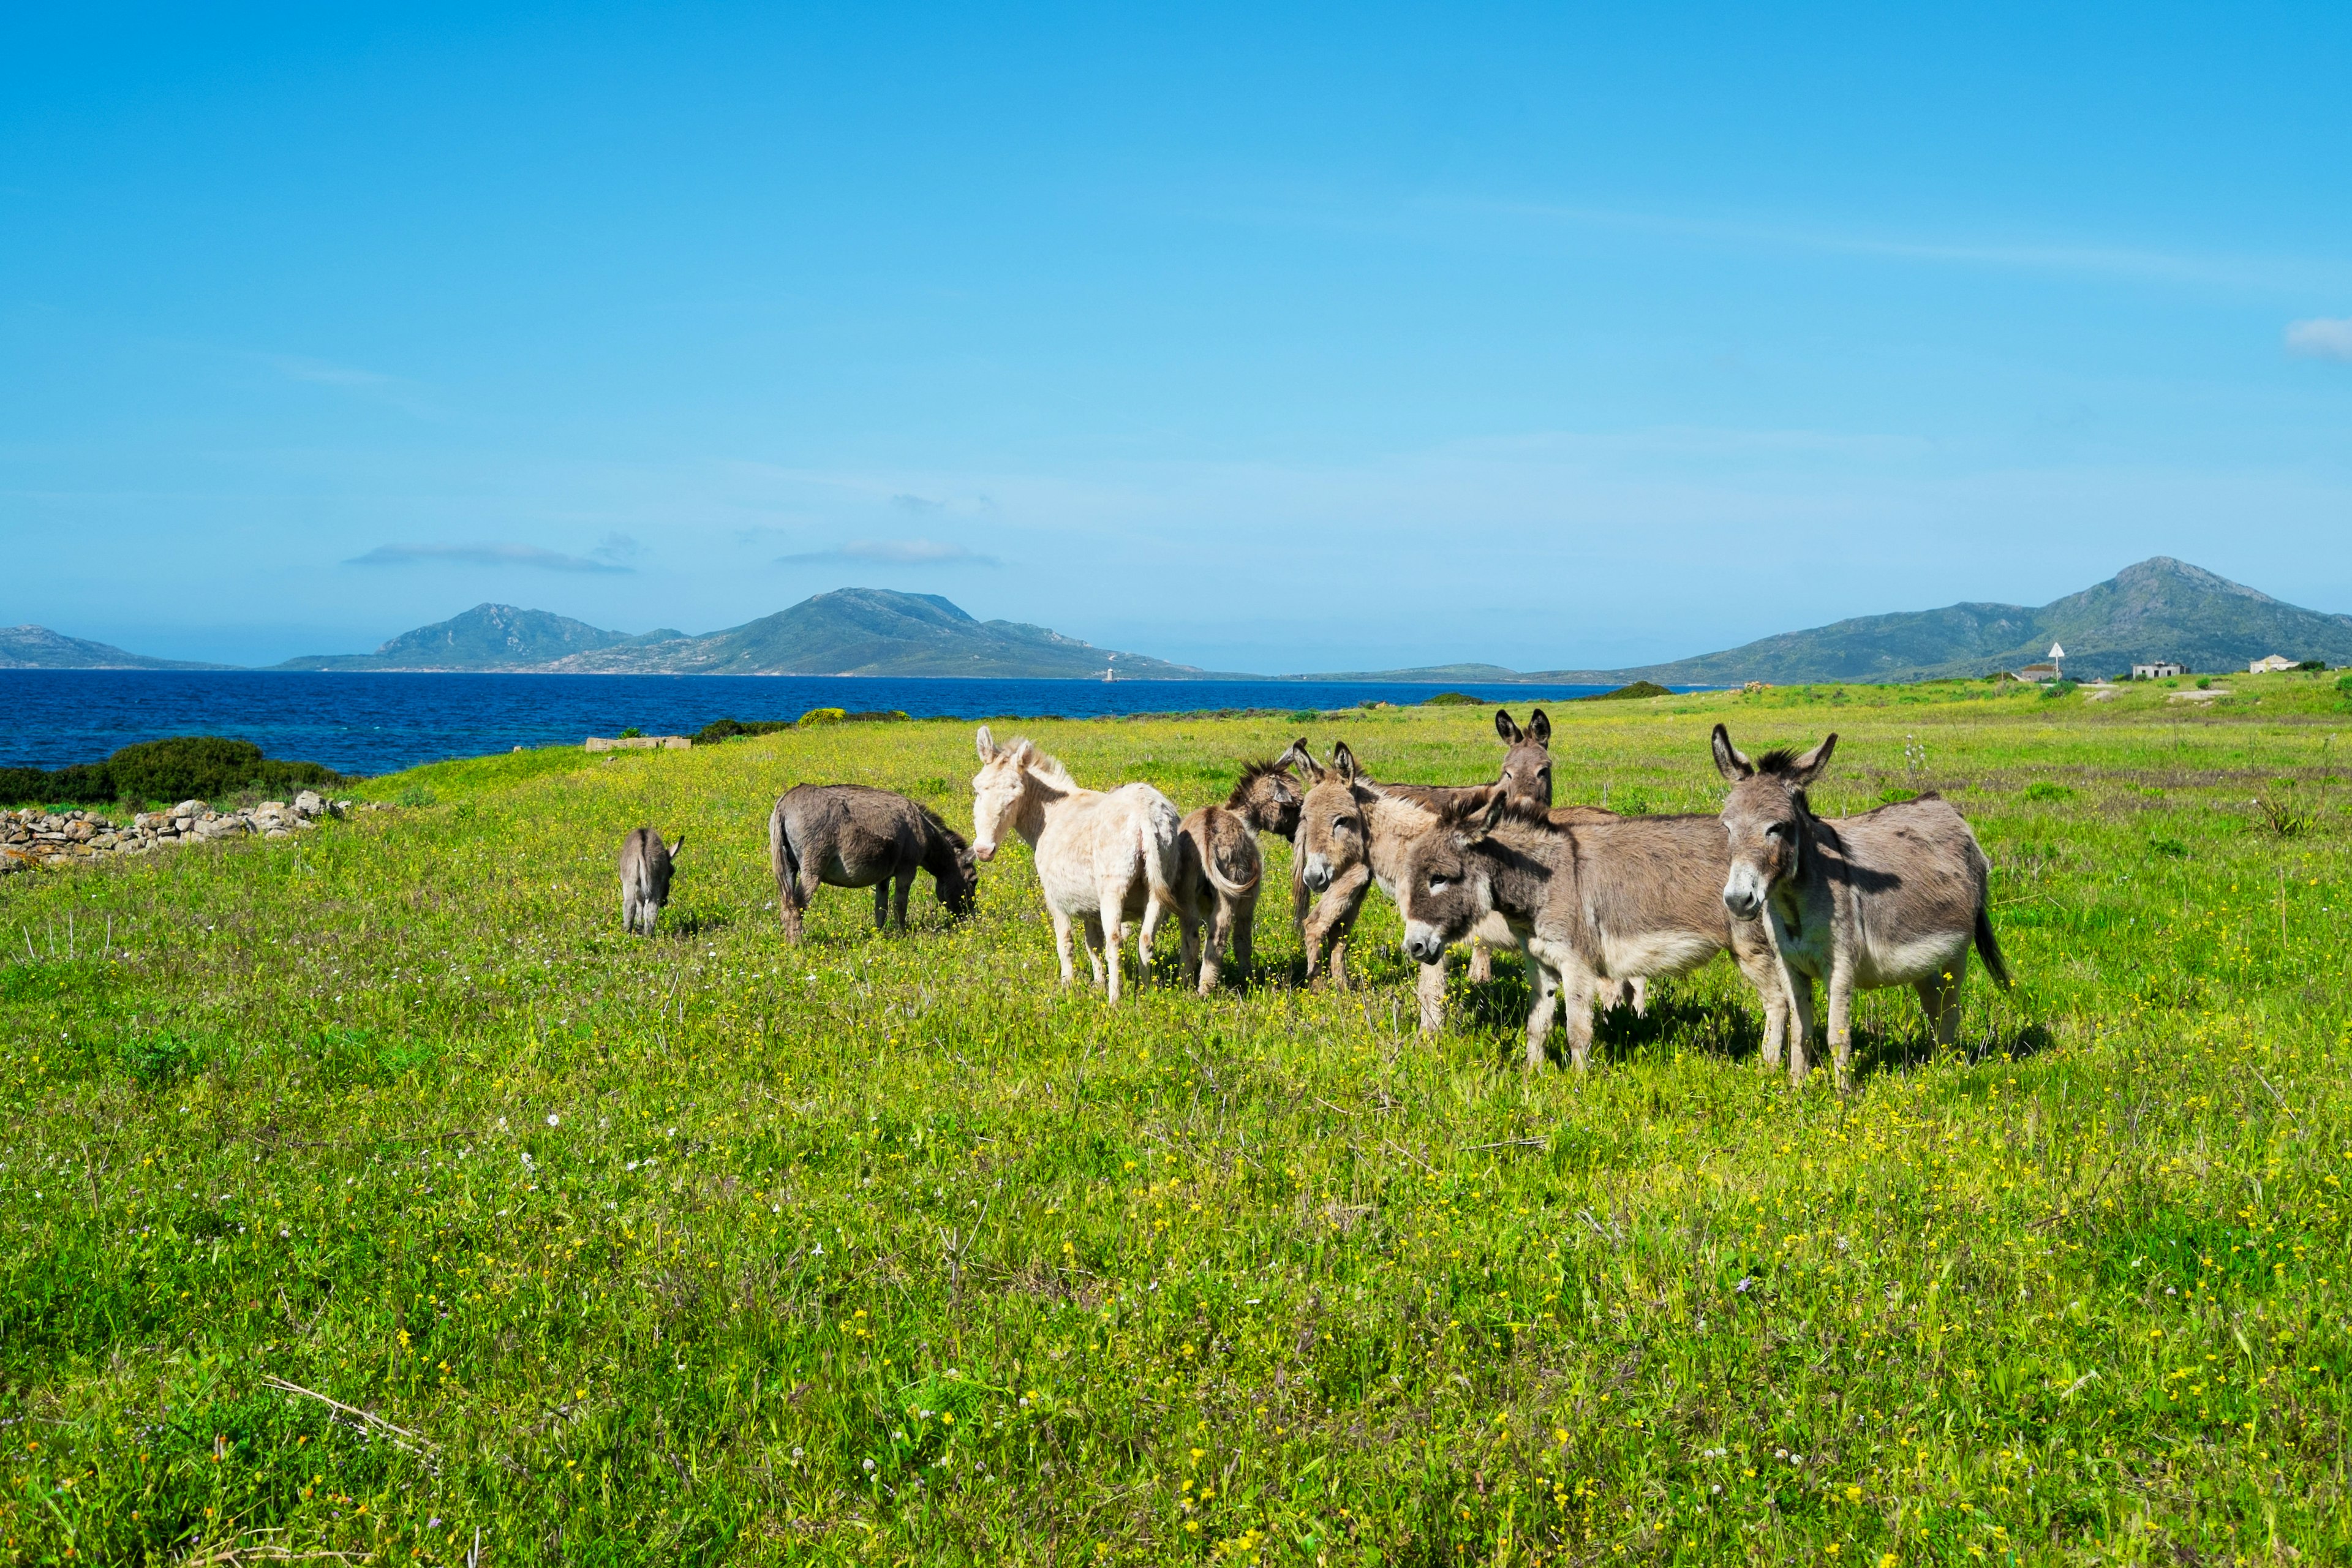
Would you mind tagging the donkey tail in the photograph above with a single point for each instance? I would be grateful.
(1228, 889)
(1161, 829)
(1989, 948)
(782, 858)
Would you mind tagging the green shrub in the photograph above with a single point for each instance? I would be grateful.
(179, 767)
(719, 730)
(632, 733)
(2042, 789)
(823, 716)
(1639, 689)
(1453, 699)
(2058, 689)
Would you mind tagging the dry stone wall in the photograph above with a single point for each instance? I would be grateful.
(32, 838)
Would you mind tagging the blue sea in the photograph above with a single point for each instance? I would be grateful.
(378, 723)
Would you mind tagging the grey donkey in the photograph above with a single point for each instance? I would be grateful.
(1893, 897)
(645, 866)
(1593, 901)
(1219, 866)
(849, 836)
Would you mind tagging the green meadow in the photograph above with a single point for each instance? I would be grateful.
(370, 1197)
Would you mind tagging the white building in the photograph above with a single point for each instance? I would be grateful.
(2156, 669)
(2270, 666)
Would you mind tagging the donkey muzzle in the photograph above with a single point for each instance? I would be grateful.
(1316, 874)
(1742, 895)
(1423, 944)
(983, 851)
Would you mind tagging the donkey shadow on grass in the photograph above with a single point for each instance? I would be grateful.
(1728, 1027)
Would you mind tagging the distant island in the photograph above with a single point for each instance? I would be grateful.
(2159, 609)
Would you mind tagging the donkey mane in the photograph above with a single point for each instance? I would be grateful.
(1250, 773)
(1780, 761)
(955, 840)
(1045, 766)
(1476, 803)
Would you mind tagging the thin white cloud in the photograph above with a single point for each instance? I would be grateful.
(2321, 337)
(617, 547)
(892, 553)
(296, 368)
(480, 555)
(374, 385)
(2102, 260)
(915, 503)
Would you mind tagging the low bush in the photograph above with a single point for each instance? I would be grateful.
(1453, 699)
(1639, 689)
(179, 767)
(719, 730)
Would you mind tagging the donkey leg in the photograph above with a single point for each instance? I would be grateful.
(1091, 933)
(882, 905)
(1220, 933)
(1939, 995)
(1244, 923)
(1146, 935)
(1062, 941)
(1114, 928)
(1800, 1026)
(1546, 1000)
(900, 895)
(1641, 988)
(1841, 1026)
(1482, 963)
(1429, 986)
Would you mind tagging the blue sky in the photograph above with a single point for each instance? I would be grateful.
(1276, 339)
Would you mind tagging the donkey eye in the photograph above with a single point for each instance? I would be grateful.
(1436, 884)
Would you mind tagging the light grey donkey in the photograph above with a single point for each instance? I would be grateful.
(850, 835)
(645, 866)
(1893, 897)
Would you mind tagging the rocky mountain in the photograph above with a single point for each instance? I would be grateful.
(37, 648)
(875, 631)
(2161, 608)
(486, 638)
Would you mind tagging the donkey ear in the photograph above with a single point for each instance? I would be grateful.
(1729, 761)
(1477, 820)
(1539, 727)
(1299, 757)
(987, 744)
(1808, 767)
(1504, 727)
(1343, 762)
(677, 848)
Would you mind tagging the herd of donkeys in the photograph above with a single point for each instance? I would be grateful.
(1599, 902)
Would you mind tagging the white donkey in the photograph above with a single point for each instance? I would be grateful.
(1106, 857)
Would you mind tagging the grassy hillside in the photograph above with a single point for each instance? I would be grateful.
(875, 631)
(706, 1250)
(2157, 609)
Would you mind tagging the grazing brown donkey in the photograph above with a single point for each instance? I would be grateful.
(1893, 897)
(1102, 857)
(1590, 902)
(849, 836)
(1219, 866)
(645, 866)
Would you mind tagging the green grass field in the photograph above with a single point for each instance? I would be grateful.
(707, 1249)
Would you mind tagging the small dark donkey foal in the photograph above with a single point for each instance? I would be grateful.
(849, 836)
(1893, 897)
(645, 866)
